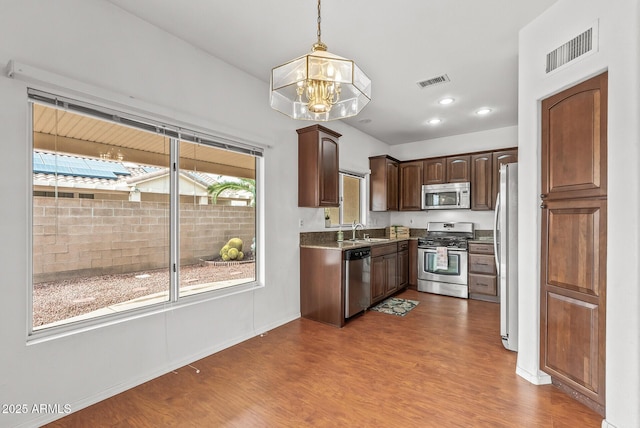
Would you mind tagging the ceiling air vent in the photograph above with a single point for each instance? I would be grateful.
(581, 45)
(434, 81)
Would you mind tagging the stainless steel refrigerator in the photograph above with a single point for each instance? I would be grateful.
(505, 235)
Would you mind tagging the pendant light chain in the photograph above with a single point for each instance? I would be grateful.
(319, 20)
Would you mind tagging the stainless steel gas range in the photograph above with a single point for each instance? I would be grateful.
(443, 259)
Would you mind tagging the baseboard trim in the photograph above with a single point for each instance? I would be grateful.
(173, 365)
(540, 378)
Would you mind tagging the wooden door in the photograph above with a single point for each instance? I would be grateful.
(413, 262)
(458, 169)
(403, 264)
(392, 185)
(411, 186)
(481, 186)
(378, 278)
(391, 266)
(434, 171)
(574, 240)
(383, 183)
(329, 171)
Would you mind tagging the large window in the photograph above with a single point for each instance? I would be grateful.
(351, 201)
(128, 214)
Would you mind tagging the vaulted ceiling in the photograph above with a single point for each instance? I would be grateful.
(397, 44)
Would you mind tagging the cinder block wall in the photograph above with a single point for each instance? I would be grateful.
(83, 237)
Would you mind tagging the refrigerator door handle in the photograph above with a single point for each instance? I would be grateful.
(495, 233)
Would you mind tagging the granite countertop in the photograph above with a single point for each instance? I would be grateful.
(348, 245)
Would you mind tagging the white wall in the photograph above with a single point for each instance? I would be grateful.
(618, 53)
(499, 138)
(114, 56)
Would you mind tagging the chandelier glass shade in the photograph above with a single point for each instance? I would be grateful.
(319, 86)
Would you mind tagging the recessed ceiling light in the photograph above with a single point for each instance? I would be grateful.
(434, 121)
(446, 101)
(483, 111)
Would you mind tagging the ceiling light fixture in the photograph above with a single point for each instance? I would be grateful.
(446, 101)
(319, 86)
(435, 121)
(483, 111)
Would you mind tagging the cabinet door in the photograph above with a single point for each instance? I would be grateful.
(574, 141)
(391, 266)
(383, 184)
(481, 186)
(434, 170)
(500, 158)
(392, 185)
(413, 262)
(458, 169)
(378, 278)
(318, 175)
(411, 185)
(403, 269)
(573, 284)
(329, 173)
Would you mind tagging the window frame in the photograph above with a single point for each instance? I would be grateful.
(194, 135)
(363, 198)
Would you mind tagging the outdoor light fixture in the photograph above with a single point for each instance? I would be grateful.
(319, 86)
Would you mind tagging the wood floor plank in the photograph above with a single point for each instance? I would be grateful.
(441, 365)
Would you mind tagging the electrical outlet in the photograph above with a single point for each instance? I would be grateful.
(301, 222)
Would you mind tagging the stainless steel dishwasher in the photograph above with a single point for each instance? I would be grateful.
(357, 280)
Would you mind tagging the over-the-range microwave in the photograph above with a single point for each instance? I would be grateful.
(446, 196)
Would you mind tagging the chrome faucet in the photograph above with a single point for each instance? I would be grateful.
(354, 228)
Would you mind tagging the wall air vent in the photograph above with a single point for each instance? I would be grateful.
(579, 46)
(434, 81)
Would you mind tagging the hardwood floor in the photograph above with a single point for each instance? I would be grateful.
(441, 365)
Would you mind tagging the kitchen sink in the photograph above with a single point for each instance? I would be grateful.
(358, 241)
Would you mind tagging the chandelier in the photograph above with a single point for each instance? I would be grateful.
(319, 86)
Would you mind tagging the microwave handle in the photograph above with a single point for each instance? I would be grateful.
(457, 199)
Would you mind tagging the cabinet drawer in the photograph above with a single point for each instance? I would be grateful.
(403, 245)
(381, 250)
(481, 248)
(482, 263)
(483, 284)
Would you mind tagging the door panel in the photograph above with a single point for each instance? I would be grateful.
(573, 352)
(574, 141)
(574, 242)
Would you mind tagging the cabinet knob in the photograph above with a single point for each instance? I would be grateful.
(543, 205)
(543, 196)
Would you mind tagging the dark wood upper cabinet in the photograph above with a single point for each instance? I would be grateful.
(481, 181)
(383, 183)
(318, 174)
(411, 175)
(577, 155)
(434, 171)
(458, 169)
(500, 158)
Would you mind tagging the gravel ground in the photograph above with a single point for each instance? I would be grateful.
(58, 300)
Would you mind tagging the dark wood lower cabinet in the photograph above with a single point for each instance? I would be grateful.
(321, 279)
(321, 290)
(413, 263)
(483, 280)
(403, 264)
(384, 271)
(573, 305)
